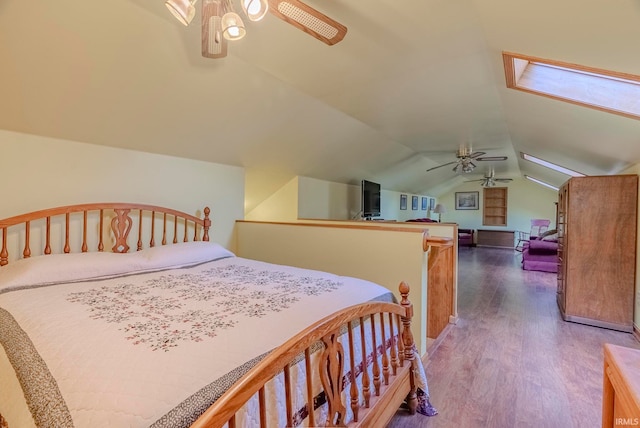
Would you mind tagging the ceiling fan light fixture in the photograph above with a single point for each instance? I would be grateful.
(255, 10)
(183, 10)
(232, 25)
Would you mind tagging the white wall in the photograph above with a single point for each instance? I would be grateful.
(281, 206)
(39, 173)
(525, 201)
(319, 199)
(391, 207)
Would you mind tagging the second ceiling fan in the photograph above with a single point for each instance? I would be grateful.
(465, 160)
(490, 179)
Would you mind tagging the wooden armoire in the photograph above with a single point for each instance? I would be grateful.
(597, 219)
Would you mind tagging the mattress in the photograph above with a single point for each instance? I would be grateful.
(150, 338)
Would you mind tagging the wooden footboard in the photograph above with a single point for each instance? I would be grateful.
(386, 378)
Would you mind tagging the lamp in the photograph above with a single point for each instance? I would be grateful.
(255, 9)
(232, 25)
(440, 209)
(183, 10)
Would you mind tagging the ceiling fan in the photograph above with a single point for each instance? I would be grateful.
(465, 160)
(490, 179)
(220, 23)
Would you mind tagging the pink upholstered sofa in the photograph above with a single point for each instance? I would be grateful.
(541, 254)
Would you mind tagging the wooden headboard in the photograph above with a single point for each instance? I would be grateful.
(175, 226)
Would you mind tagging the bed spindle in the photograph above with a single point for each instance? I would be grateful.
(4, 254)
(164, 229)
(139, 230)
(152, 243)
(185, 231)
(394, 355)
(195, 232)
(400, 341)
(175, 229)
(355, 398)
(101, 232)
(27, 233)
(376, 365)
(67, 247)
(84, 231)
(307, 367)
(287, 393)
(232, 421)
(263, 408)
(47, 247)
(366, 392)
(385, 356)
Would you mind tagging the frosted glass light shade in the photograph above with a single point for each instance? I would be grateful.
(183, 10)
(255, 9)
(232, 26)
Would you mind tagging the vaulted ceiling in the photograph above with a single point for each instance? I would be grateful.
(411, 81)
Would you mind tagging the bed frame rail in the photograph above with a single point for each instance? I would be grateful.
(121, 222)
(382, 389)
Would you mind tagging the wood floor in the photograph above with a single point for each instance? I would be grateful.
(511, 361)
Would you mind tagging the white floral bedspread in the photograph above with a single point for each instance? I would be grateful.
(158, 348)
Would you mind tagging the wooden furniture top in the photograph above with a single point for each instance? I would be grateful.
(625, 362)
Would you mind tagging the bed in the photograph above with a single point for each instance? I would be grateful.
(180, 332)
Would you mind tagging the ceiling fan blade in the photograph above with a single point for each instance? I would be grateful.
(308, 20)
(492, 158)
(503, 179)
(440, 166)
(213, 44)
(475, 155)
(473, 181)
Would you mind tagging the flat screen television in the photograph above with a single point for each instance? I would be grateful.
(370, 199)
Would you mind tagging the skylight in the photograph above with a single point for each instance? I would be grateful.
(540, 182)
(604, 90)
(551, 165)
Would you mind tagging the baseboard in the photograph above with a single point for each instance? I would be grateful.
(597, 323)
(433, 344)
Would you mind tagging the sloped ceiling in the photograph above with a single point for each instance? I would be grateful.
(411, 81)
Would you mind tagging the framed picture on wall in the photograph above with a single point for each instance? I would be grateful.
(414, 203)
(432, 204)
(403, 202)
(425, 203)
(467, 200)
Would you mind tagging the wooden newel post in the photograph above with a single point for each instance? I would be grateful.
(409, 347)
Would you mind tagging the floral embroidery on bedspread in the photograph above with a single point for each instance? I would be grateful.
(163, 311)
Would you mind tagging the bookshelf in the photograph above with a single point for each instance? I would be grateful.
(494, 207)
